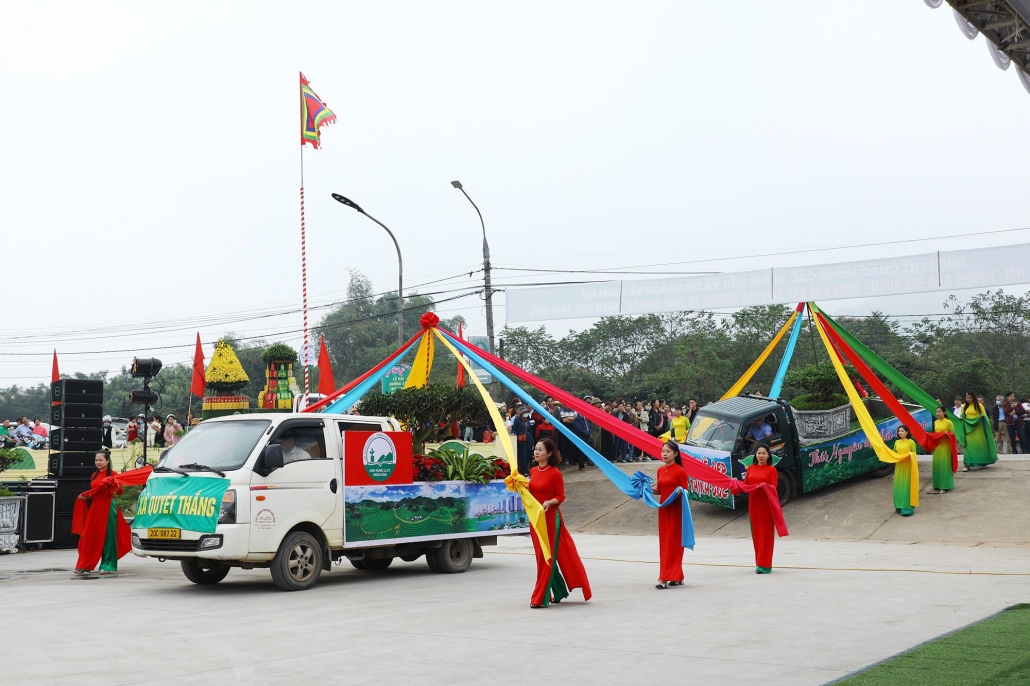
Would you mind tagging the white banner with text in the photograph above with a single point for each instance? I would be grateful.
(945, 270)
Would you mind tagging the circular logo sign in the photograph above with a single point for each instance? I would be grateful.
(379, 457)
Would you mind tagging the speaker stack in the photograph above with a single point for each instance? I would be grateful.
(76, 418)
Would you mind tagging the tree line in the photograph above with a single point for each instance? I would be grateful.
(982, 344)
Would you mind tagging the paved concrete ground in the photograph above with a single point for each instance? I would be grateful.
(829, 607)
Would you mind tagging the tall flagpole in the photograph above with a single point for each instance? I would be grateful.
(303, 254)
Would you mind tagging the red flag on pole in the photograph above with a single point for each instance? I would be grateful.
(55, 374)
(461, 367)
(197, 387)
(326, 384)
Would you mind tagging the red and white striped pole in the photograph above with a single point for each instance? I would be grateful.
(303, 260)
(304, 289)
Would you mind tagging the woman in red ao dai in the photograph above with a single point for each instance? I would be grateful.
(670, 518)
(564, 572)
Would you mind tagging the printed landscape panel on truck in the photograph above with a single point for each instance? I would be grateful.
(426, 511)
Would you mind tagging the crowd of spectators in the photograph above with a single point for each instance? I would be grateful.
(1011, 421)
(22, 433)
(655, 417)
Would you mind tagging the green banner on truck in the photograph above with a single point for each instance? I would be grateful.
(191, 503)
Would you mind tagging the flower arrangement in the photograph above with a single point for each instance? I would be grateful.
(427, 468)
(443, 464)
(225, 373)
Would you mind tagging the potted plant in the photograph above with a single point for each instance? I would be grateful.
(10, 506)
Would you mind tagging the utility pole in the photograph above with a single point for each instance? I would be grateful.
(489, 290)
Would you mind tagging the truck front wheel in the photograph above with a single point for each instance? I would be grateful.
(203, 573)
(453, 557)
(298, 563)
(784, 487)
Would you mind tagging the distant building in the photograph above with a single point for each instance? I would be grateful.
(506, 505)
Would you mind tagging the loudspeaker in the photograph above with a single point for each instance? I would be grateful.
(63, 536)
(76, 440)
(39, 518)
(72, 465)
(67, 491)
(77, 391)
(79, 416)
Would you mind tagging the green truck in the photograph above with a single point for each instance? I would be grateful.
(816, 449)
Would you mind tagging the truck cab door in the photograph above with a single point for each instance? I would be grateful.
(303, 490)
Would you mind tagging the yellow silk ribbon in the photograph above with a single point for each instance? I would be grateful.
(515, 482)
(883, 452)
(418, 377)
(736, 388)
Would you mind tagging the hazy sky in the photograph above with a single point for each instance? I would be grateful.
(149, 166)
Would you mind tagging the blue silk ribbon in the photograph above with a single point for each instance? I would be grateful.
(642, 482)
(781, 372)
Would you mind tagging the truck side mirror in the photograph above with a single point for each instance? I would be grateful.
(270, 460)
(738, 445)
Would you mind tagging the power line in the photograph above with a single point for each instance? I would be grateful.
(135, 329)
(250, 338)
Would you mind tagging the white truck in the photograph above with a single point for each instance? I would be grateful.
(294, 492)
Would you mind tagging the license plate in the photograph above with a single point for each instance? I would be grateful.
(164, 533)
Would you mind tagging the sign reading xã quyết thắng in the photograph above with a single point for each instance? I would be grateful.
(190, 503)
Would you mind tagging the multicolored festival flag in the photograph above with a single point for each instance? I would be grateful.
(313, 114)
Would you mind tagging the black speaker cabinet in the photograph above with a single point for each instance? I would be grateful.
(72, 465)
(77, 391)
(76, 440)
(39, 518)
(67, 491)
(63, 536)
(78, 416)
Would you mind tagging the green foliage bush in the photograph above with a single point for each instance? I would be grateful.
(127, 500)
(812, 401)
(279, 352)
(429, 412)
(8, 456)
(821, 382)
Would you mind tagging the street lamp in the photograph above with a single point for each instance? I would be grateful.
(486, 276)
(400, 264)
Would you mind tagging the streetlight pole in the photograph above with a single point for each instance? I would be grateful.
(486, 277)
(400, 264)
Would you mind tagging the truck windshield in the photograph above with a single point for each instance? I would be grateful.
(712, 431)
(220, 445)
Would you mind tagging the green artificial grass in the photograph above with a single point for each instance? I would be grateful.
(995, 652)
